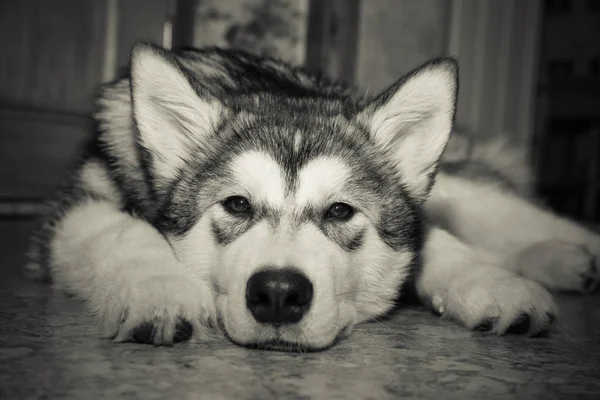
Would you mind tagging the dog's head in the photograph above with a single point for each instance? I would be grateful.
(303, 213)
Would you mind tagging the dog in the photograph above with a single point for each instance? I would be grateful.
(228, 192)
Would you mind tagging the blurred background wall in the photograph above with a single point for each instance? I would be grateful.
(529, 69)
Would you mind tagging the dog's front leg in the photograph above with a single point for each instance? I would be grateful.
(464, 285)
(128, 275)
(531, 241)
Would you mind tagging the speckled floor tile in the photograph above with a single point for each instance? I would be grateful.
(50, 349)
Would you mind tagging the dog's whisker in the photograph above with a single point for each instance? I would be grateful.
(347, 293)
(377, 320)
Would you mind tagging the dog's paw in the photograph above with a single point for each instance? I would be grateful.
(560, 265)
(498, 304)
(161, 310)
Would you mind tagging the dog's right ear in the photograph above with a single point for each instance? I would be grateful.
(172, 113)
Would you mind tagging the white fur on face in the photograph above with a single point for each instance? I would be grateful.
(320, 180)
(349, 287)
(261, 177)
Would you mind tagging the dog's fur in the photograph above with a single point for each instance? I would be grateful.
(141, 234)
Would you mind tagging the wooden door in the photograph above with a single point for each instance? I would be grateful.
(55, 53)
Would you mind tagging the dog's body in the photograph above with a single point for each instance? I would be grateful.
(233, 189)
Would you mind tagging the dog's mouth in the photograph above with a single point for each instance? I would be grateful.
(285, 346)
(278, 343)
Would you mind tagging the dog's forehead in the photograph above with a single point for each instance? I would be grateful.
(266, 179)
(260, 175)
(320, 178)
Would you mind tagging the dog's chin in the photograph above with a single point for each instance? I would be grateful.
(285, 338)
(278, 343)
(287, 347)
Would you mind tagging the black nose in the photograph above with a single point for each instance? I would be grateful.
(278, 296)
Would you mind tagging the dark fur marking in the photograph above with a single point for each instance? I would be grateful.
(355, 242)
(220, 236)
(225, 232)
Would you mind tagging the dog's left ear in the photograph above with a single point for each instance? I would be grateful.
(412, 121)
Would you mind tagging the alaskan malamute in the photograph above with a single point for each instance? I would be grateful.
(235, 192)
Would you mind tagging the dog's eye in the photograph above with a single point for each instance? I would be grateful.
(340, 212)
(237, 205)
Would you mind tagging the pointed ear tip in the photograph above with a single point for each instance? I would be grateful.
(445, 70)
(144, 48)
(446, 64)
